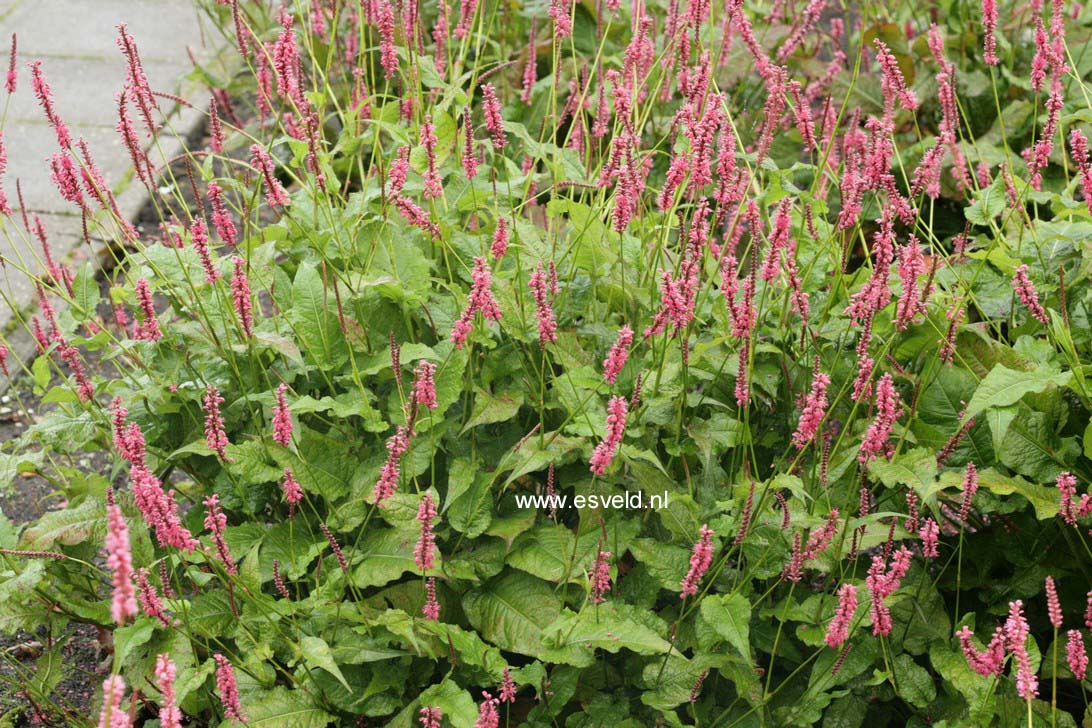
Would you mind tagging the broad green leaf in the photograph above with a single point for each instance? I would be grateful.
(385, 554)
(512, 610)
(283, 708)
(730, 616)
(490, 408)
(1043, 498)
(611, 626)
(67, 527)
(314, 319)
(130, 637)
(916, 469)
(317, 654)
(915, 684)
(1004, 386)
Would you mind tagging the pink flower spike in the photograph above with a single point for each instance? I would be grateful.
(199, 234)
(1028, 296)
(988, 662)
(500, 239)
(221, 219)
(120, 562)
(815, 407)
(424, 385)
(113, 715)
(618, 354)
(397, 445)
(240, 297)
(1016, 634)
(508, 687)
(480, 299)
(1067, 487)
(488, 717)
(430, 717)
(282, 418)
(274, 190)
(600, 577)
(11, 81)
(150, 601)
(148, 329)
(929, 532)
(838, 630)
(1054, 607)
(492, 109)
(293, 493)
(540, 290)
(229, 694)
(431, 608)
(215, 437)
(216, 523)
(423, 552)
(604, 452)
(989, 25)
(170, 716)
(700, 560)
(1075, 654)
(877, 438)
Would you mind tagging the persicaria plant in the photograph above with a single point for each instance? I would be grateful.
(817, 271)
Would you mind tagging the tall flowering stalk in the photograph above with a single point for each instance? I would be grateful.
(170, 716)
(112, 714)
(877, 439)
(1028, 295)
(229, 694)
(215, 436)
(618, 354)
(424, 385)
(838, 629)
(119, 560)
(544, 313)
(701, 558)
(216, 523)
(604, 453)
(424, 551)
(480, 300)
(815, 406)
(282, 417)
(600, 577)
(240, 297)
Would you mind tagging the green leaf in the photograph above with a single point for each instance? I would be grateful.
(489, 408)
(1043, 498)
(730, 616)
(132, 636)
(1004, 386)
(317, 654)
(314, 320)
(915, 685)
(67, 527)
(387, 554)
(916, 469)
(85, 293)
(456, 704)
(512, 610)
(545, 551)
(612, 626)
(283, 708)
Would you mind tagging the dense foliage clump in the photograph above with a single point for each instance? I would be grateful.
(564, 364)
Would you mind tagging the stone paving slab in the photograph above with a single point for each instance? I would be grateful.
(76, 42)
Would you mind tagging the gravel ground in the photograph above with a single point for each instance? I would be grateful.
(82, 665)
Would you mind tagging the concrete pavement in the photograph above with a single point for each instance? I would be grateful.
(76, 42)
